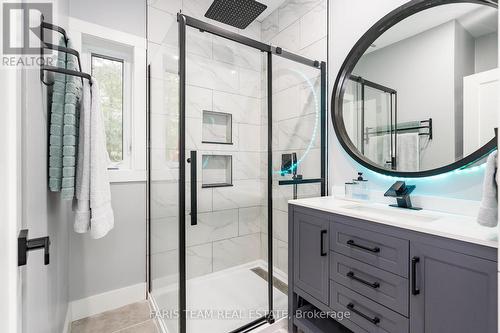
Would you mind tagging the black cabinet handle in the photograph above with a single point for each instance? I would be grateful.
(373, 285)
(414, 289)
(194, 187)
(374, 320)
(350, 242)
(322, 243)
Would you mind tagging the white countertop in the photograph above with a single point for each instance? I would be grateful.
(459, 227)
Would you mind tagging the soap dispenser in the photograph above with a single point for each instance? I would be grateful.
(361, 190)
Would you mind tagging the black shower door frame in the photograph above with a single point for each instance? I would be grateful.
(187, 21)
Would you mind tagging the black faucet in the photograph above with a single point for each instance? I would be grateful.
(401, 192)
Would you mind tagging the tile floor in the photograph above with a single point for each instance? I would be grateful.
(132, 318)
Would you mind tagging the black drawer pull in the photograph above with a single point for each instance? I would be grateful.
(414, 289)
(374, 320)
(374, 285)
(350, 242)
(322, 243)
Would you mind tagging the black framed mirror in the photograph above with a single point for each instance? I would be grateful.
(417, 94)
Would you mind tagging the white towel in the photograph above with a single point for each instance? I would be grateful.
(93, 196)
(488, 210)
(408, 152)
(378, 149)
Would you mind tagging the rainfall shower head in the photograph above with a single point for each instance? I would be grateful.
(238, 13)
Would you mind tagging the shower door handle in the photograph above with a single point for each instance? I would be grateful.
(194, 187)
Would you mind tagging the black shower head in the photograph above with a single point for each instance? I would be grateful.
(238, 13)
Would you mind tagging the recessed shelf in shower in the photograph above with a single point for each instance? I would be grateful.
(217, 171)
(217, 127)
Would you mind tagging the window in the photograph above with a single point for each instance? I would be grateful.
(117, 61)
(109, 73)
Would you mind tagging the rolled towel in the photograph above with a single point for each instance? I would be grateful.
(488, 210)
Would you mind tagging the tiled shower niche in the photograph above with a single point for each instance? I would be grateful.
(217, 171)
(217, 127)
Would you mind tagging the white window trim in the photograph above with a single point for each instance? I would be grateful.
(137, 166)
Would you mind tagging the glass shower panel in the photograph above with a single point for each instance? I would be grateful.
(352, 112)
(296, 138)
(377, 120)
(226, 131)
(164, 178)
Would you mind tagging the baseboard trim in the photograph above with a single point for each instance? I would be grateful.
(67, 320)
(109, 300)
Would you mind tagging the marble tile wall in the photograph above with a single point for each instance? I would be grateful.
(299, 26)
(222, 76)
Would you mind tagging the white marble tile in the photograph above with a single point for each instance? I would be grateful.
(292, 10)
(164, 131)
(225, 50)
(198, 260)
(217, 169)
(211, 74)
(252, 31)
(244, 109)
(248, 165)
(317, 51)
(196, 8)
(249, 139)
(205, 195)
(299, 133)
(194, 127)
(270, 26)
(165, 95)
(212, 226)
(171, 6)
(249, 220)
(164, 199)
(249, 82)
(310, 163)
(280, 225)
(288, 38)
(164, 234)
(163, 59)
(165, 267)
(199, 43)
(281, 195)
(282, 256)
(162, 27)
(164, 164)
(287, 103)
(197, 100)
(313, 25)
(243, 193)
(236, 251)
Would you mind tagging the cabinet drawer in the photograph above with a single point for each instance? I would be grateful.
(382, 251)
(380, 286)
(365, 315)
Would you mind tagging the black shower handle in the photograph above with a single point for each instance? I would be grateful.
(194, 187)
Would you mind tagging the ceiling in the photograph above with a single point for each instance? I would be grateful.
(477, 19)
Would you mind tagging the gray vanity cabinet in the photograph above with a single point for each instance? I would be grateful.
(391, 280)
(451, 292)
(310, 242)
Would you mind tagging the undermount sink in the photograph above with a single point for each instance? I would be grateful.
(392, 213)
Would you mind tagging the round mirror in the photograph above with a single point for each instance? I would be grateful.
(418, 93)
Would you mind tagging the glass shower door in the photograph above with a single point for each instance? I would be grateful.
(226, 184)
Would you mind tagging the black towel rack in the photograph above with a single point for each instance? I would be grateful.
(45, 25)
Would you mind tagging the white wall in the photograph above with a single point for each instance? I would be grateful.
(119, 259)
(407, 67)
(45, 288)
(345, 29)
(486, 52)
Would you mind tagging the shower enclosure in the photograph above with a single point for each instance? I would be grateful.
(223, 110)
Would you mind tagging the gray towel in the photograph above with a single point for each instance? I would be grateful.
(488, 211)
(56, 125)
(70, 129)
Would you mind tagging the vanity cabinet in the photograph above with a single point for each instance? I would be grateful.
(451, 292)
(388, 279)
(311, 260)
